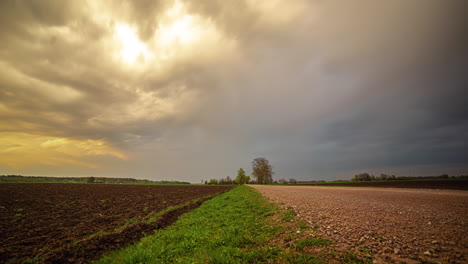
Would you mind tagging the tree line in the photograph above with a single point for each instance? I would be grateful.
(91, 179)
(386, 177)
(262, 173)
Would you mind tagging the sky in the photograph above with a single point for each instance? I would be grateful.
(193, 90)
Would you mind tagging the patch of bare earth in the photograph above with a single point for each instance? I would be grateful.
(382, 224)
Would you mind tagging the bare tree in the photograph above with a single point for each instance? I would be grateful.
(262, 171)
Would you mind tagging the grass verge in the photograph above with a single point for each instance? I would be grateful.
(239, 226)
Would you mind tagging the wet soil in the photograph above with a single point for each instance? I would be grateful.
(62, 223)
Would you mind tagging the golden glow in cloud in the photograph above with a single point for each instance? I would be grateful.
(185, 36)
(22, 150)
(180, 31)
(179, 27)
(131, 48)
(177, 35)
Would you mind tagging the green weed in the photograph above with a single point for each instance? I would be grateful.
(31, 260)
(302, 259)
(364, 250)
(289, 215)
(352, 258)
(97, 233)
(129, 222)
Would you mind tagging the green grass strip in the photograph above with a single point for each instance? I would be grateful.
(230, 228)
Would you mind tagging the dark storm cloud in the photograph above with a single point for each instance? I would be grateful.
(390, 89)
(321, 88)
(411, 109)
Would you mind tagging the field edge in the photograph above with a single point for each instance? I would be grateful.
(238, 226)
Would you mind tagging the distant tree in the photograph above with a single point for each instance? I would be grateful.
(292, 180)
(213, 181)
(262, 171)
(282, 181)
(362, 177)
(228, 180)
(247, 179)
(241, 177)
(91, 179)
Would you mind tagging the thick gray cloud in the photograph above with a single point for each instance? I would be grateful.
(324, 89)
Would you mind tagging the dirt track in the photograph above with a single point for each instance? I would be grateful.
(384, 224)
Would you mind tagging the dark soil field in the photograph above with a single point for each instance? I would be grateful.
(419, 184)
(75, 223)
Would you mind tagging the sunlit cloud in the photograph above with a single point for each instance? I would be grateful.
(179, 27)
(22, 150)
(181, 34)
(131, 48)
(181, 31)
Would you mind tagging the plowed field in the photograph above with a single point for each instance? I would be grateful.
(60, 223)
(386, 225)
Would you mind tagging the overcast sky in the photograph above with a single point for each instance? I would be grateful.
(191, 90)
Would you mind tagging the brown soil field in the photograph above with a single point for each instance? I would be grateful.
(381, 225)
(55, 222)
(418, 184)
